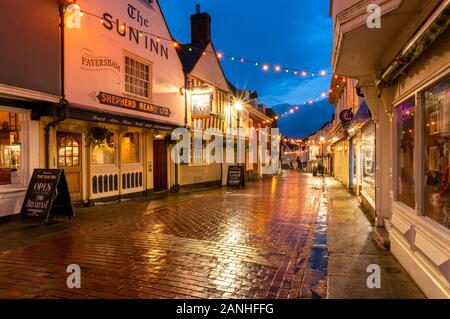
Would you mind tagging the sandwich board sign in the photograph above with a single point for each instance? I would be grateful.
(235, 177)
(47, 195)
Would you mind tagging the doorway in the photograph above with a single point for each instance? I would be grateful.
(159, 166)
(69, 158)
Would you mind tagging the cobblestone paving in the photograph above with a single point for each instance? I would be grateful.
(250, 243)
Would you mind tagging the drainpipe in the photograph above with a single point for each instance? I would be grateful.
(64, 104)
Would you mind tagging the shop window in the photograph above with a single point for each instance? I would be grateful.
(437, 141)
(129, 146)
(68, 150)
(137, 77)
(368, 161)
(405, 116)
(104, 154)
(10, 148)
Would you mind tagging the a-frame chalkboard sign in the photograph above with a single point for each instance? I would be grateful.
(236, 178)
(47, 195)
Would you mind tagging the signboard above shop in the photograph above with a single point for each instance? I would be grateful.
(201, 101)
(125, 64)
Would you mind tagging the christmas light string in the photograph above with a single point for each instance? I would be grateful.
(265, 67)
(311, 101)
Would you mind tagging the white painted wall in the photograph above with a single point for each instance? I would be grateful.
(84, 83)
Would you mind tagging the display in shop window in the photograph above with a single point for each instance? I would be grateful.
(437, 137)
(10, 148)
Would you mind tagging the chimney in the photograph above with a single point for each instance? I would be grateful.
(200, 27)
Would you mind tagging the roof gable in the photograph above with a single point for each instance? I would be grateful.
(208, 69)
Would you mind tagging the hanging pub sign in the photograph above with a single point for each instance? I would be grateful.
(132, 104)
(235, 177)
(346, 116)
(47, 195)
(201, 101)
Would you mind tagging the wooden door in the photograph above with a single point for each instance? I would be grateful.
(159, 166)
(69, 159)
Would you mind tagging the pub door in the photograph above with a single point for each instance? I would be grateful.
(69, 158)
(159, 166)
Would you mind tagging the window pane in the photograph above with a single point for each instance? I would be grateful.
(405, 115)
(368, 161)
(137, 77)
(10, 148)
(129, 146)
(437, 141)
(104, 155)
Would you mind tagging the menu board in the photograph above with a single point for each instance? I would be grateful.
(235, 176)
(47, 194)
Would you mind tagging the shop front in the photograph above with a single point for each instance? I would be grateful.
(368, 165)
(124, 84)
(18, 148)
(341, 158)
(420, 224)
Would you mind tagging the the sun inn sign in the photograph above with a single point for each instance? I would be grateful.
(143, 35)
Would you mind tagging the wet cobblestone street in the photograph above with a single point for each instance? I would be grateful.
(248, 243)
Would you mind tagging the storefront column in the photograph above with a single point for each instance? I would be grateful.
(378, 104)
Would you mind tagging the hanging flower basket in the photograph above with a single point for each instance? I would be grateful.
(100, 137)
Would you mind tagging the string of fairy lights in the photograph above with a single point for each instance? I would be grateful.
(265, 67)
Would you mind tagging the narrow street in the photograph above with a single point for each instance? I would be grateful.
(264, 241)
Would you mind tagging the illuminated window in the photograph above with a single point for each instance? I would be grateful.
(129, 148)
(137, 77)
(368, 161)
(104, 155)
(437, 144)
(10, 148)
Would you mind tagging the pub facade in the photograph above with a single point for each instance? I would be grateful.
(124, 93)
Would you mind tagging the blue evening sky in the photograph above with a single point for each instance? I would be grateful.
(292, 33)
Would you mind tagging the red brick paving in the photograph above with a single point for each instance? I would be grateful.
(250, 243)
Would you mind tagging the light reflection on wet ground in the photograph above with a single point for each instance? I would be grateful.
(248, 243)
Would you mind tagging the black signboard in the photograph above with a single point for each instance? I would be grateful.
(235, 177)
(346, 116)
(47, 194)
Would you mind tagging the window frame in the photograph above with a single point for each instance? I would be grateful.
(130, 55)
(116, 153)
(419, 151)
(140, 155)
(422, 138)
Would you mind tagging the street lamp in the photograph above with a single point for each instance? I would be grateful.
(322, 140)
